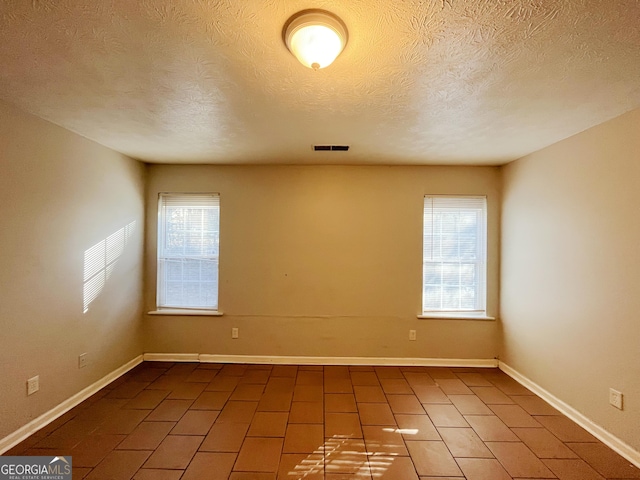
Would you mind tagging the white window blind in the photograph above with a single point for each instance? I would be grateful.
(454, 255)
(188, 250)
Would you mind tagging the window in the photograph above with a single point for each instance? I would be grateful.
(188, 249)
(454, 256)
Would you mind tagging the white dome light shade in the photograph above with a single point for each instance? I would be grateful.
(316, 46)
(315, 37)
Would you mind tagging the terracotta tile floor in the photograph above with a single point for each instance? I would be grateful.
(189, 421)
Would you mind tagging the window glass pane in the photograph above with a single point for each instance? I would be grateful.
(450, 298)
(467, 297)
(432, 297)
(209, 272)
(450, 274)
(432, 273)
(468, 246)
(173, 270)
(468, 274)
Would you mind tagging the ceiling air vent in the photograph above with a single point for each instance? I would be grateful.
(331, 148)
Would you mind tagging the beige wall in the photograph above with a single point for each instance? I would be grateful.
(570, 297)
(322, 261)
(60, 195)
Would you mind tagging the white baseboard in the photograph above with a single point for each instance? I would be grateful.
(594, 429)
(307, 360)
(46, 418)
(171, 357)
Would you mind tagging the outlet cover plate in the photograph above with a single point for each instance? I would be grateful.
(82, 360)
(33, 385)
(615, 398)
(412, 335)
(234, 332)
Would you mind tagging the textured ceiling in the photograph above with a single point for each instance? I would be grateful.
(420, 82)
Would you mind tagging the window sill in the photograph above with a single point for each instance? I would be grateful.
(453, 316)
(179, 312)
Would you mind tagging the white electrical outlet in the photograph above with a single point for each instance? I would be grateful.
(234, 332)
(33, 385)
(615, 398)
(412, 334)
(82, 360)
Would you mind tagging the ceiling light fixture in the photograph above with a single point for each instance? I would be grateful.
(315, 37)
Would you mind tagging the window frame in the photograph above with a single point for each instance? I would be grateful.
(480, 309)
(165, 308)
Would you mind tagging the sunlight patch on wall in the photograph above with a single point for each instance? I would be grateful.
(100, 260)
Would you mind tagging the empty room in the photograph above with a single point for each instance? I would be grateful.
(269, 240)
